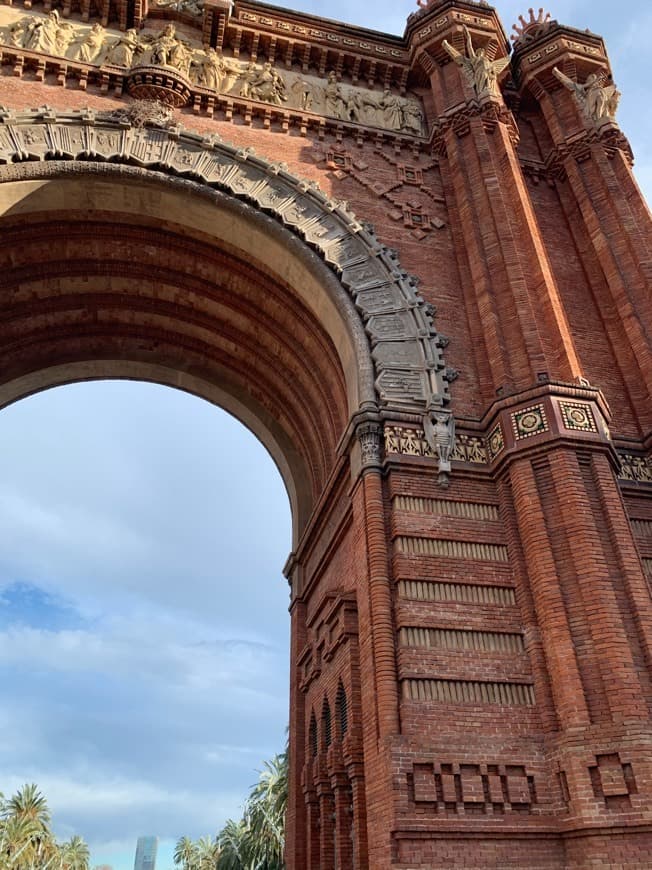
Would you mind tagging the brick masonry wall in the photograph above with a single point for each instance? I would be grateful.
(493, 640)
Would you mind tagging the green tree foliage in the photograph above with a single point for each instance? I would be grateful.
(256, 842)
(26, 840)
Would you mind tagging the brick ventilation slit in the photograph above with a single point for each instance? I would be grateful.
(642, 528)
(426, 590)
(452, 549)
(486, 641)
(468, 692)
(444, 507)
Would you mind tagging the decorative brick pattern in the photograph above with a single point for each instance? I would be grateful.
(447, 508)
(431, 590)
(486, 641)
(451, 549)
(468, 692)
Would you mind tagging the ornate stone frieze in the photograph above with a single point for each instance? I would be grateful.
(397, 320)
(635, 468)
(408, 441)
(148, 56)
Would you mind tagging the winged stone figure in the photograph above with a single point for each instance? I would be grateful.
(597, 101)
(481, 73)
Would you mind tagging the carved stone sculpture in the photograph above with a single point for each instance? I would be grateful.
(334, 98)
(88, 46)
(597, 101)
(439, 428)
(169, 50)
(124, 49)
(481, 73)
(211, 70)
(193, 7)
(49, 35)
(268, 86)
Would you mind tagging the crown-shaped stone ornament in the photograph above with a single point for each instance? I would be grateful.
(528, 30)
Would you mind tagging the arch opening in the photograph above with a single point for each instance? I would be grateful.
(160, 611)
(106, 279)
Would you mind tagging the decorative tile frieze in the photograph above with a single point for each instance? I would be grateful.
(470, 448)
(578, 416)
(529, 422)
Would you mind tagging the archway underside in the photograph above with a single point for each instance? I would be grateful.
(88, 294)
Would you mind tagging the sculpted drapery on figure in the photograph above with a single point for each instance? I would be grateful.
(87, 47)
(123, 50)
(481, 72)
(597, 101)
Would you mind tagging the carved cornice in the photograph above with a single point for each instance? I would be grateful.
(405, 348)
(607, 136)
(490, 110)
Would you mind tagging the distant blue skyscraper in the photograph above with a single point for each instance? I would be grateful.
(146, 853)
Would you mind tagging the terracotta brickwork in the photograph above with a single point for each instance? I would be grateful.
(431, 227)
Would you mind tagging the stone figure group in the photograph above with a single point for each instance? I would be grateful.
(481, 72)
(209, 69)
(597, 101)
(386, 110)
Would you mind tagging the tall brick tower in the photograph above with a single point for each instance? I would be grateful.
(428, 292)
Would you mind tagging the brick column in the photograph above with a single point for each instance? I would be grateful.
(510, 291)
(592, 162)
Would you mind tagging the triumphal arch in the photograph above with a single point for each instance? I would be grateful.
(418, 268)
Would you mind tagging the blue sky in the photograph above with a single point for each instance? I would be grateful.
(143, 615)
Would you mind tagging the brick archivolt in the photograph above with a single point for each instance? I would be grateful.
(407, 359)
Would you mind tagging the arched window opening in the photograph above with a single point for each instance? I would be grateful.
(312, 736)
(342, 710)
(326, 724)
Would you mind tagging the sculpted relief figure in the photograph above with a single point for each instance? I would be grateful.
(88, 46)
(123, 50)
(49, 34)
(194, 7)
(481, 73)
(168, 50)
(264, 84)
(598, 102)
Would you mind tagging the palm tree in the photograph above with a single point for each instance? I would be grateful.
(75, 854)
(185, 854)
(265, 814)
(208, 853)
(234, 846)
(29, 803)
